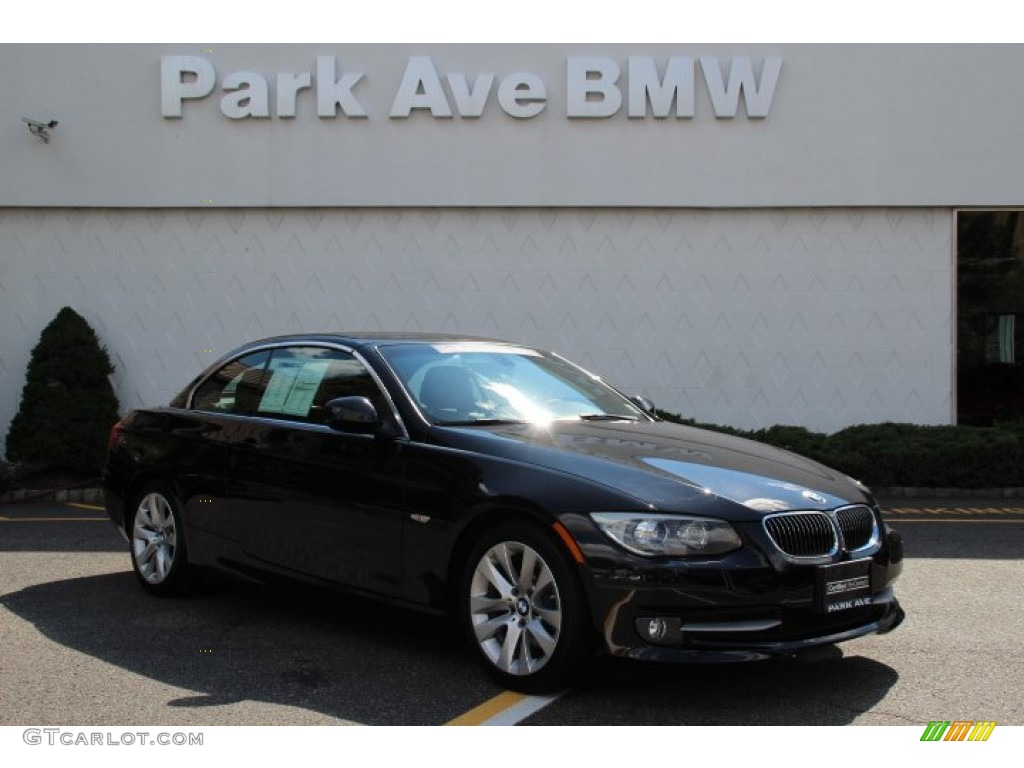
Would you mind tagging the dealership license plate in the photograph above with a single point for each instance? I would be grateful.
(844, 586)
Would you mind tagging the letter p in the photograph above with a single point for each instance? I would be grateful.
(173, 86)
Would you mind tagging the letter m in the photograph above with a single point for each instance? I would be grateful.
(935, 730)
(982, 730)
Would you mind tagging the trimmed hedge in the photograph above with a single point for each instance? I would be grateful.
(903, 455)
(67, 405)
(6, 478)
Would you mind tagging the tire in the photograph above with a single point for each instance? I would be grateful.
(157, 544)
(528, 626)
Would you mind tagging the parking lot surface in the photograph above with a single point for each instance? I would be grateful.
(82, 644)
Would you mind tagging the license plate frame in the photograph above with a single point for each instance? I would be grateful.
(842, 587)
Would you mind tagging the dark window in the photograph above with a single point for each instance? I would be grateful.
(990, 326)
(300, 381)
(235, 388)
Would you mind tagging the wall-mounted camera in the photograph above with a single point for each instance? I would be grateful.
(40, 126)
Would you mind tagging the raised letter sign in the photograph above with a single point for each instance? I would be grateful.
(644, 86)
(470, 102)
(591, 89)
(331, 93)
(288, 86)
(247, 96)
(420, 89)
(522, 95)
(174, 89)
(725, 98)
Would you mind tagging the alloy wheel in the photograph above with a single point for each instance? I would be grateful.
(154, 538)
(515, 608)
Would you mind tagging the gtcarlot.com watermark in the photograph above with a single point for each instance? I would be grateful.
(73, 737)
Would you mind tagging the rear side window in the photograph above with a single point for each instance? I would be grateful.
(300, 381)
(235, 388)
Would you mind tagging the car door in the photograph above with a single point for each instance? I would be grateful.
(311, 499)
(204, 441)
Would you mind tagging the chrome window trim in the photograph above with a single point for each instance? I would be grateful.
(294, 343)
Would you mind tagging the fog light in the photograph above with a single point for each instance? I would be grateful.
(656, 629)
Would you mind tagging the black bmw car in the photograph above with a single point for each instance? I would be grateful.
(549, 513)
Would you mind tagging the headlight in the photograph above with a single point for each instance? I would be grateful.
(678, 535)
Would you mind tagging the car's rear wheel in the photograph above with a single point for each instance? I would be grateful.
(524, 609)
(158, 551)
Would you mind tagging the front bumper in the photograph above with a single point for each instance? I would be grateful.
(704, 642)
(749, 604)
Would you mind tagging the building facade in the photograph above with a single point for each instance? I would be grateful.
(748, 235)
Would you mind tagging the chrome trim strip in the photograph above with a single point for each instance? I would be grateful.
(805, 559)
(873, 543)
(753, 625)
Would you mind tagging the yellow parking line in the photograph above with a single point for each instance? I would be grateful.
(490, 708)
(86, 506)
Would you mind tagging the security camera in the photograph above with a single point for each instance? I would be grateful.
(40, 126)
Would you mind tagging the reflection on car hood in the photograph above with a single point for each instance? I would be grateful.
(668, 466)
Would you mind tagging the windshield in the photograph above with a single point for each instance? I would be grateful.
(477, 383)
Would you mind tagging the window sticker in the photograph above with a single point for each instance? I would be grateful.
(292, 387)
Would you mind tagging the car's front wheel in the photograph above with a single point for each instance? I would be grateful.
(159, 556)
(524, 609)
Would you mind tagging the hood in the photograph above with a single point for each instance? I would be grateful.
(668, 466)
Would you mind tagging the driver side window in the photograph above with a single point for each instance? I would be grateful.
(300, 381)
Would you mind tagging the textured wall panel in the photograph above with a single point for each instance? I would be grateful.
(817, 317)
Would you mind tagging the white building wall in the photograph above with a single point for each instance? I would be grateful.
(818, 317)
(848, 125)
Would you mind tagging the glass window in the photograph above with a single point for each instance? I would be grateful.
(990, 309)
(300, 381)
(235, 388)
(470, 382)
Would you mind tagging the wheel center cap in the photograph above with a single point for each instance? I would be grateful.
(522, 606)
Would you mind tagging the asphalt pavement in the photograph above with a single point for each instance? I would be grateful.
(82, 644)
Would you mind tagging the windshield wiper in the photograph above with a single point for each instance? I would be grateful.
(607, 417)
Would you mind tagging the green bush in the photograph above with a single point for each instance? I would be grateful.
(68, 404)
(909, 455)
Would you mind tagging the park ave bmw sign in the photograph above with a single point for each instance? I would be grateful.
(595, 87)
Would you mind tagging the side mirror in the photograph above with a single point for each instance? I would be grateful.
(643, 403)
(352, 414)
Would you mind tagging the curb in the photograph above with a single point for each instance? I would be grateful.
(95, 495)
(59, 495)
(949, 493)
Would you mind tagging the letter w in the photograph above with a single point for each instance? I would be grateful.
(725, 96)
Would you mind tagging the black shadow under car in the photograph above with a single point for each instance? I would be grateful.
(546, 511)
